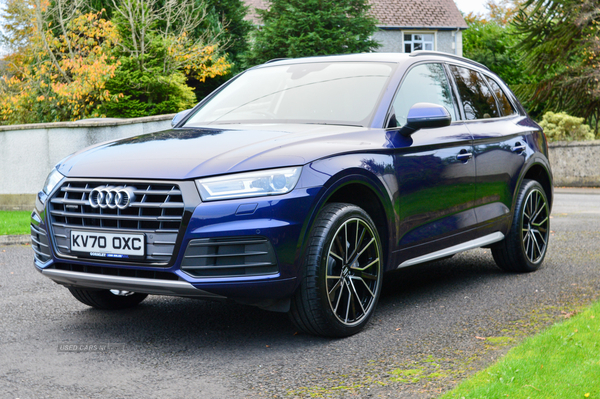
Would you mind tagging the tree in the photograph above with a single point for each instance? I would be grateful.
(158, 55)
(493, 45)
(62, 70)
(231, 14)
(298, 28)
(68, 62)
(561, 44)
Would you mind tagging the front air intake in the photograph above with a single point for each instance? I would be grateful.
(229, 257)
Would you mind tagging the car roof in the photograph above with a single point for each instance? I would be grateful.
(398, 58)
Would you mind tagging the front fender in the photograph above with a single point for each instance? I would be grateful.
(336, 175)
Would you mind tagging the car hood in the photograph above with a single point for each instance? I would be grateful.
(198, 152)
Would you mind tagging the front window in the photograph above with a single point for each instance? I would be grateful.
(425, 83)
(418, 41)
(341, 93)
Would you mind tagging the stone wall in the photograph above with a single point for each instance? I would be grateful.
(575, 163)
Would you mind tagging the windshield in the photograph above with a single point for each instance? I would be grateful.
(341, 93)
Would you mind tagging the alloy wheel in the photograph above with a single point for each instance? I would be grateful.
(353, 269)
(535, 223)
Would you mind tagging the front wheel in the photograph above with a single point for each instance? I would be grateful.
(107, 299)
(524, 248)
(343, 272)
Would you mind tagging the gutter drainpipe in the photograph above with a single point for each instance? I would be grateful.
(456, 41)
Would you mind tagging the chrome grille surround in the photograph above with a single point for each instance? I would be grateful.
(157, 212)
(39, 244)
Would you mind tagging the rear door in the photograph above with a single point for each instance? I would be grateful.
(499, 143)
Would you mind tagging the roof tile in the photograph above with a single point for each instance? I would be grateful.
(400, 13)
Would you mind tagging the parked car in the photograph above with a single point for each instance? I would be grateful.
(297, 184)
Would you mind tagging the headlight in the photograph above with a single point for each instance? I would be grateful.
(252, 184)
(51, 181)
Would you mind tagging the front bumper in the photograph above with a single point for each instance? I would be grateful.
(280, 222)
(141, 285)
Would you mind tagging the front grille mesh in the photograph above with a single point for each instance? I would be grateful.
(39, 244)
(229, 257)
(157, 211)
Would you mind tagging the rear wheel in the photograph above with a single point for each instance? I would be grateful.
(343, 271)
(107, 299)
(524, 248)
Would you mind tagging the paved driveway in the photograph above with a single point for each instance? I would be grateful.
(435, 325)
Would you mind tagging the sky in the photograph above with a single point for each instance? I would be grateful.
(466, 6)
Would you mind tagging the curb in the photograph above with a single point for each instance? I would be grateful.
(15, 240)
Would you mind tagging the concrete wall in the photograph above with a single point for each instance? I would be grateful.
(576, 163)
(29, 152)
(392, 40)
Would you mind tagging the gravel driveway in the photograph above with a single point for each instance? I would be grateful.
(435, 325)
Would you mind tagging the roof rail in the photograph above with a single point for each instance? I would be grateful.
(276, 59)
(453, 56)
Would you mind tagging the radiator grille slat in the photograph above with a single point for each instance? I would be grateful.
(157, 211)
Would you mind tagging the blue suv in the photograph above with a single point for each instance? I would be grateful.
(296, 185)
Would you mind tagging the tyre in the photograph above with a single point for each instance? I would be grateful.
(106, 299)
(524, 248)
(343, 271)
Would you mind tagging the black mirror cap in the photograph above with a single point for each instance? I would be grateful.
(179, 117)
(425, 116)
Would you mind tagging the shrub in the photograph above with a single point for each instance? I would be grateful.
(563, 127)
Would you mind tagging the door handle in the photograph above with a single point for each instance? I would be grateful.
(519, 148)
(464, 156)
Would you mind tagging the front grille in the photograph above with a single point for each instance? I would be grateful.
(156, 211)
(115, 271)
(229, 257)
(39, 243)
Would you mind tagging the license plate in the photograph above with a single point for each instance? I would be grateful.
(108, 245)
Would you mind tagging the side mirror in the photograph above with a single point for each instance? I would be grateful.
(425, 116)
(179, 117)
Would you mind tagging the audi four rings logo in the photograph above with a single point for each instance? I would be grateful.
(112, 197)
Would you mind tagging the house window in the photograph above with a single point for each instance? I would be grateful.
(418, 41)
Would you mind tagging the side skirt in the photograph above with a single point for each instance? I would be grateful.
(479, 242)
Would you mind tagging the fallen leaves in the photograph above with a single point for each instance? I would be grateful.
(568, 315)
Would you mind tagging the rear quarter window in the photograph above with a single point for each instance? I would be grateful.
(506, 107)
(476, 97)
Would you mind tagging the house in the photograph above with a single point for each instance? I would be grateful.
(408, 25)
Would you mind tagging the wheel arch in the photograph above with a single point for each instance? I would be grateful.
(540, 173)
(364, 189)
(361, 195)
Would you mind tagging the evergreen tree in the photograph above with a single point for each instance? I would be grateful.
(299, 28)
(561, 43)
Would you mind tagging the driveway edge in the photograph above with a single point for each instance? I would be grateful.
(15, 240)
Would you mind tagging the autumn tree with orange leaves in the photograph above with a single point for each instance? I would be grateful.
(58, 74)
(69, 62)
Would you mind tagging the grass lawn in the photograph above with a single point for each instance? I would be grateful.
(562, 362)
(14, 222)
